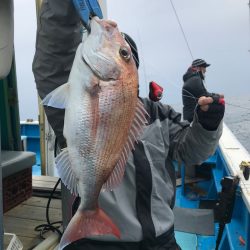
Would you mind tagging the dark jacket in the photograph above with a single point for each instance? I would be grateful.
(58, 35)
(192, 89)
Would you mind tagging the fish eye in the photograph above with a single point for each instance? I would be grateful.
(125, 53)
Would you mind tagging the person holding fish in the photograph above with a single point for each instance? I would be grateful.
(119, 147)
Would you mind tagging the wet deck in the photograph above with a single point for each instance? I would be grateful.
(23, 219)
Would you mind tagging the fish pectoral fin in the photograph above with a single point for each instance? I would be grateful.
(58, 98)
(65, 171)
(88, 223)
(135, 132)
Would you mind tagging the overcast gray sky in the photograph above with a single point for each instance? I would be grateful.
(217, 31)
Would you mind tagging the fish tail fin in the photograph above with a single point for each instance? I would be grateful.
(88, 223)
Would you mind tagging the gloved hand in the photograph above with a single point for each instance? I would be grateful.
(211, 116)
(87, 9)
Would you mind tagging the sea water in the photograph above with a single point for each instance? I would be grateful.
(237, 118)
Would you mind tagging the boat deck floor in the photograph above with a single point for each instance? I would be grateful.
(31, 213)
(22, 219)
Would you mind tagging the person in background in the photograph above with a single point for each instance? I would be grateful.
(142, 206)
(193, 88)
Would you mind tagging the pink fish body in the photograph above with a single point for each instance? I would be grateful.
(103, 119)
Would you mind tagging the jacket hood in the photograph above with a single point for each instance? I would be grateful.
(189, 74)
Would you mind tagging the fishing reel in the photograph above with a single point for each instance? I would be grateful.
(245, 168)
(218, 99)
(155, 91)
(224, 208)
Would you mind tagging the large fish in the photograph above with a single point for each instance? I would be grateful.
(103, 119)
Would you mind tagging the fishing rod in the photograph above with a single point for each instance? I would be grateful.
(182, 30)
(190, 51)
(190, 95)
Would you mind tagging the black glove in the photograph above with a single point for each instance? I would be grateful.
(211, 119)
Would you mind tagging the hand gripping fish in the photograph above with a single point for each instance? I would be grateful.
(103, 119)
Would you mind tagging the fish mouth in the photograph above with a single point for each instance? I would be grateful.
(105, 22)
(101, 66)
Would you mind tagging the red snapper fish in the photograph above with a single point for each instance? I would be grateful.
(103, 119)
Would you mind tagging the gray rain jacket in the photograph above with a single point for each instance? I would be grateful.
(142, 205)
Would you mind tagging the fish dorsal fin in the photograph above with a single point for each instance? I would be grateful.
(135, 132)
(65, 171)
(58, 98)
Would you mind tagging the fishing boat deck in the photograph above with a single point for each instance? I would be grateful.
(190, 193)
(25, 217)
(22, 219)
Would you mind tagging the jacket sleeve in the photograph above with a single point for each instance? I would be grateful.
(192, 144)
(58, 35)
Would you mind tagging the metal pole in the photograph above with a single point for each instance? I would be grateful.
(7, 10)
(1, 198)
(41, 117)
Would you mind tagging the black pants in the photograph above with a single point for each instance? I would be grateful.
(163, 242)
